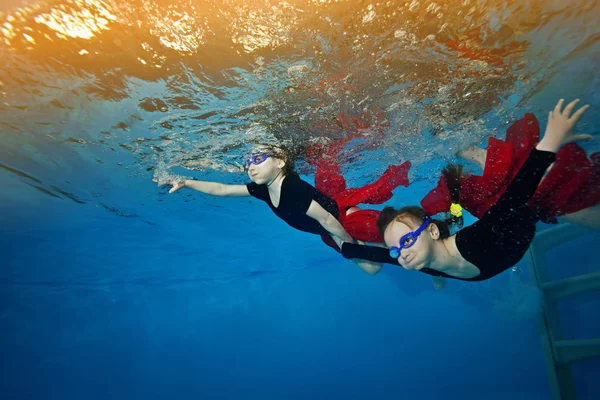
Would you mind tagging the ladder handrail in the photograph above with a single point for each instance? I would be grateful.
(558, 352)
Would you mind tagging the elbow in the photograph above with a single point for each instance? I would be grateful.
(370, 268)
(372, 271)
(221, 191)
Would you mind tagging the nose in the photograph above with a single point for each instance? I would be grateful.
(251, 168)
(404, 254)
(402, 259)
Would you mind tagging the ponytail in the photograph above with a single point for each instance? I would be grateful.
(455, 176)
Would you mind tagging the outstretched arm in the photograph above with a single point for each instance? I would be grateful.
(328, 221)
(213, 188)
(524, 184)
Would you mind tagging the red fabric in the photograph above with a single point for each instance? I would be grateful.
(333, 184)
(572, 184)
(361, 224)
(503, 161)
(438, 199)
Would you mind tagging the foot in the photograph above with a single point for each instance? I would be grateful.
(474, 154)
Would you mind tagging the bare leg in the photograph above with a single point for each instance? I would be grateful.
(588, 217)
(474, 154)
(351, 210)
(478, 155)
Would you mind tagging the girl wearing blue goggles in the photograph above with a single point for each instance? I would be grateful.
(256, 159)
(492, 244)
(298, 203)
(408, 240)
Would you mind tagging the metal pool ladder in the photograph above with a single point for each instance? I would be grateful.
(559, 352)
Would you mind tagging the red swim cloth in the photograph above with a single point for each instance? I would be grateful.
(362, 224)
(572, 184)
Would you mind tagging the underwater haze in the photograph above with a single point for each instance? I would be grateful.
(112, 288)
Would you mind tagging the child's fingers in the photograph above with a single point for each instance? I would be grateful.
(569, 107)
(579, 113)
(558, 106)
(580, 137)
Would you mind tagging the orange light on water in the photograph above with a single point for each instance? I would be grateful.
(78, 23)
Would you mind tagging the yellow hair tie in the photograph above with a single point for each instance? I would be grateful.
(456, 210)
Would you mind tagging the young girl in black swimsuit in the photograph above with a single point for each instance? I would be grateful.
(301, 205)
(491, 245)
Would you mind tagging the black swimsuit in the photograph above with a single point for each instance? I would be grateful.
(499, 239)
(295, 199)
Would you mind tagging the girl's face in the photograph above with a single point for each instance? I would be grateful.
(418, 255)
(264, 168)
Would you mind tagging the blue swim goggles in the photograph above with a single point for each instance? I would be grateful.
(257, 159)
(409, 239)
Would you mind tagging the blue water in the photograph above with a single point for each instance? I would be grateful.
(96, 305)
(110, 288)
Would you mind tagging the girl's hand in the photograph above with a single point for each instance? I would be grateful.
(175, 183)
(337, 241)
(560, 124)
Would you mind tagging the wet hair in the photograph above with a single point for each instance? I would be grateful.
(412, 216)
(455, 176)
(284, 153)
